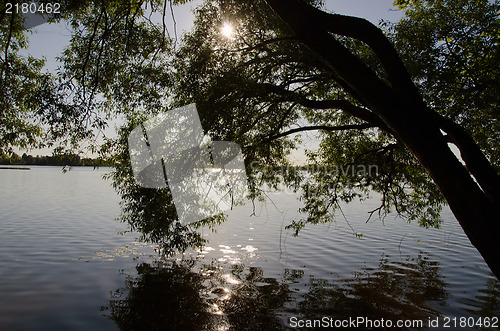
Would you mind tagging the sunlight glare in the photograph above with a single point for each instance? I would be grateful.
(227, 30)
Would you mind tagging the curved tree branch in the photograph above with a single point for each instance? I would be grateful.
(320, 127)
(346, 106)
(365, 31)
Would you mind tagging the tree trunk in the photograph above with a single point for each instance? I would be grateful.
(411, 122)
(476, 213)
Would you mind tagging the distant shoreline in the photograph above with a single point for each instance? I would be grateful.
(20, 166)
(15, 168)
(64, 160)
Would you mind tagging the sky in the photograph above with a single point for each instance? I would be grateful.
(372, 10)
(49, 40)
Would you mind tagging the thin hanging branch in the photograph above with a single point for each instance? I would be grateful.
(173, 20)
(11, 30)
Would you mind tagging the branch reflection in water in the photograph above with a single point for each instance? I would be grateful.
(245, 291)
(191, 294)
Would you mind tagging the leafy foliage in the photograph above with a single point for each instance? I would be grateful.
(21, 83)
(452, 49)
(151, 212)
(252, 88)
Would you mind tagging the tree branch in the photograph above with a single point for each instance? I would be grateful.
(384, 149)
(3, 13)
(346, 106)
(320, 127)
(164, 24)
(7, 45)
(89, 50)
(370, 90)
(174, 21)
(262, 44)
(365, 31)
(475, 161)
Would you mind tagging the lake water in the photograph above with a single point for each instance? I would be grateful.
(66, 267)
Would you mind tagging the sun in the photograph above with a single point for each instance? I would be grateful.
(227, 30)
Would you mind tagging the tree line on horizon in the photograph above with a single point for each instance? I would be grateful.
(68, 159)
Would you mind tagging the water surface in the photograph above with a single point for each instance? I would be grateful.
(64, 265)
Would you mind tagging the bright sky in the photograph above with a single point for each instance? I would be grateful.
(372, 10)
(48, 40)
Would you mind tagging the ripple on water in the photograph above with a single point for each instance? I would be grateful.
(62, 257)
